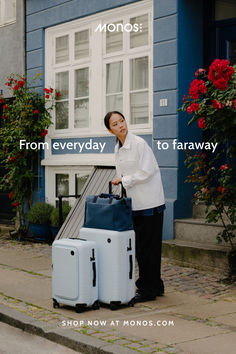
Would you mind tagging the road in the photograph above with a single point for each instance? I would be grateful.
(14, 340)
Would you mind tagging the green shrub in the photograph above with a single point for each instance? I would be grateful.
(54, 217)
(40, 213)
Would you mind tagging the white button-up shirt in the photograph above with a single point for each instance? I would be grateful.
(137, 165)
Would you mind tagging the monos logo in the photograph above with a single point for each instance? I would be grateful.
(119, 27)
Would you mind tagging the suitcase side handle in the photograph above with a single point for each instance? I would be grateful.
(130, 266)
(94, 274)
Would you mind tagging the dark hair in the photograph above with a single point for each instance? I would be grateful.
(108, 116)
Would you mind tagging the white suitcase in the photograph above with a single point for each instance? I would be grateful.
(74, 273)
(116, 264)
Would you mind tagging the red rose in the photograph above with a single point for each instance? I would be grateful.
(10, 195)
(224, 167)
(4, 107)
(217, 104)
(221, 189)
(219, 71)
(57, 94)
(44, 133)
(193, 91)
(51, 90)
(234, 104)
(202, 123)
(221, 84)
(4, 116)
(15, 88)
(183, 99)
(46, 90)
(36, 111)
(8, 84)
(16, 203)
(20, 83)
(47, 96)
(193, 108)
(196, 194)
(200, 71)
(12, 158)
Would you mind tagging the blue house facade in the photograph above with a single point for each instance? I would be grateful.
(137, 57)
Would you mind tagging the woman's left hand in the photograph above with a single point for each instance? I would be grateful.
(116, 181)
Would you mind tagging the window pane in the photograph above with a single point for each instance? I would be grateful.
(62, 115)
(139, 73)
(225, 9)
(80, 179)
(81, 113)
(10, 10)
(114, 78)
(62, 49)
(82, 44)
(139, 107)
(62, 184)
(140, 38)
(62, 84)
(114, 103)
(82, 82)
(114, 40)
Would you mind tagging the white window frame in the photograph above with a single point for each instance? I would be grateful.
(50, 181)
(3, 21)
(96, 64)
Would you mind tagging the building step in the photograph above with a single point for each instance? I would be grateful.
(205, 257)
(199, 212)
(197, 230)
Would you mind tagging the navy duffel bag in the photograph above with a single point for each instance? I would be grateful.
(109, 212)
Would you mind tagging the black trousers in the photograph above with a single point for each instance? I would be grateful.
(148, 235)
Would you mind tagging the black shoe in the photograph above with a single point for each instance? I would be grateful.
(139, 297)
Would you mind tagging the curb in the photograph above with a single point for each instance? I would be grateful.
(67, 337)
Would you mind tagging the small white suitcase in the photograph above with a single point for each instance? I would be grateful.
(74, 273)
(116, 264)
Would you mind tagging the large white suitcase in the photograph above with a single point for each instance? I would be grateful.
(74, 273)
(116, 264)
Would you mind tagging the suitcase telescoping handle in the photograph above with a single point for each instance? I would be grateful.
(123, 191)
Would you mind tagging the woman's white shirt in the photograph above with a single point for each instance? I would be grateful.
(140, 173)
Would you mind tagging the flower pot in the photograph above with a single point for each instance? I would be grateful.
(41, 232)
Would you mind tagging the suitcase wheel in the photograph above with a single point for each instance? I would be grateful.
(131, 303)
(96, 305)
(113, 306)
(79, 308)
(55, 304)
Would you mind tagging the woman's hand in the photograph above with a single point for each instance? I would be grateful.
(116, 181)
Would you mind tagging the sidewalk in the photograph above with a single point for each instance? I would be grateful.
(197, 315)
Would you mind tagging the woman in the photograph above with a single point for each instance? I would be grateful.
(138, 171)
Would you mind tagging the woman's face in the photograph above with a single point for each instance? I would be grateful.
(118, 126)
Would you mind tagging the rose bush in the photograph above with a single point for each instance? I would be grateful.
(212, 101)
(26, 117)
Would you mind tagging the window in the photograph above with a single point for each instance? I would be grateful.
(99, 69)
(65, 181)
(7, 12)
(225, 9)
